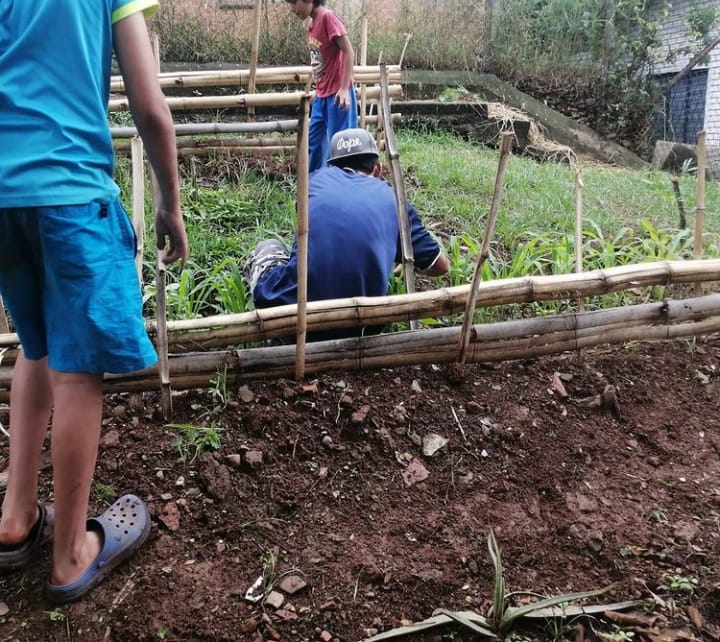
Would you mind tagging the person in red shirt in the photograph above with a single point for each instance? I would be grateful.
(332, 58)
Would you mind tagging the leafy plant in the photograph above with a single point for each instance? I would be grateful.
(192, 439)
(56, 615)
(675, 583)
(105, 492)
(502, 617)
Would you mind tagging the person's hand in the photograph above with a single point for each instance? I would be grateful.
(170, 235)
(342, 98)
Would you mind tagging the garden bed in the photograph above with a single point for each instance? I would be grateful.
(277, 479)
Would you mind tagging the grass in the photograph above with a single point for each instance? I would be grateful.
(629, 217)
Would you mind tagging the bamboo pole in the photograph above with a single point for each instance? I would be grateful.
(579, 188)
(701, 153)
(680, 204)
(241, 101)
(161, 291)
(303, 171)
(138, 201)
(520, 339)
(408, 259)
(198, 129)
(233, 329)
(299, 75)
(505, 146)
(363, 62)
(254, 52)
(268, 141)
(402, 53)
(233, 152)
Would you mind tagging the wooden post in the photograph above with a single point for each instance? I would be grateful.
(579, 187)
(303, 174)
(505, 146)
(363, 62)
(161, 292)
(408, 259)
(254, 53)
(138, 200)
(700, 151)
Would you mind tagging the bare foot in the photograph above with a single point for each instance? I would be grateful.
(71, 570)
(15, 529)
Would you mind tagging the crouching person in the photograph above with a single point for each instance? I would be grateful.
(354, 238)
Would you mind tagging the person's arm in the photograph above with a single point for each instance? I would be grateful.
(155, 125)
(342, 97)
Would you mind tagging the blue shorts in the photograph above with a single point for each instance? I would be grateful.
(68, 279)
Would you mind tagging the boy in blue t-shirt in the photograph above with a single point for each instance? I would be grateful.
(67, 268)
(353, 239)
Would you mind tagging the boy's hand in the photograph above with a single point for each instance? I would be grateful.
(170, 230)
(342, 98)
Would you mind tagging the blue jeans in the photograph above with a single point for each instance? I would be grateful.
(326, 119)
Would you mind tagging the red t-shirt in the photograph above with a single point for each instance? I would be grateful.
(325, 57)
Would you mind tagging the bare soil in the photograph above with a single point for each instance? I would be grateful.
(323, 481)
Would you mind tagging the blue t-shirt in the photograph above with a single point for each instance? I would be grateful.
(55, 57)
(353, 241)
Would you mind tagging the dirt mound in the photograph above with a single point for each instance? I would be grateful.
(344, 497)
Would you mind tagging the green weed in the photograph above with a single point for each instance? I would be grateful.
(192, 439)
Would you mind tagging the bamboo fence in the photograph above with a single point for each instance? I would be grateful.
(241, 101)
(221, 331)
(506, 340)
(298, 75)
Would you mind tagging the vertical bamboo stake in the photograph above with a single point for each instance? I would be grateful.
(579, 187)
(363, 62)
(505, 146)
(408, 259)
(680, 204)
(700, 150)
(303, 172)
(254, 53)
(160, 291)
(138, 200)
(4, 325)
(402, 53)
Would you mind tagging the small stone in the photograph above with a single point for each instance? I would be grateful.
(327, 440)
(359, 415)
(4, 609)
(292, 584)
(118, 411)
(234, 460)
(325, 636)
(414, 473)
(254, 458)
(246, 395)
(330, 605)
(346, 401)
(110, 439)
(170, 516)
(275, 599)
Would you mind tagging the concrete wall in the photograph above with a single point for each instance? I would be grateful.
(675, 35)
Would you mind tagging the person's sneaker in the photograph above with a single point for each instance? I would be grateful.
(266, 255)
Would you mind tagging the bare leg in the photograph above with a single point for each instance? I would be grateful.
(75, 437)
(30, 407)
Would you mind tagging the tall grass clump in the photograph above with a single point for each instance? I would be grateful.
(201, 32)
